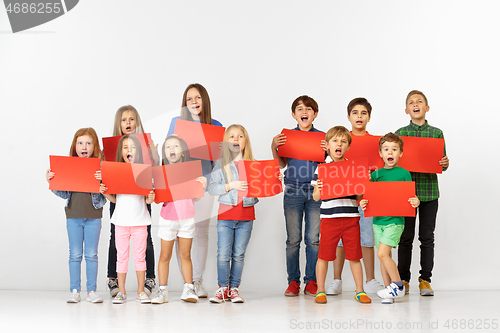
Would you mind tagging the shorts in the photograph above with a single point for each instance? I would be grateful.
(332, 230)
(366, 229)
(168, 229)
(388, 234)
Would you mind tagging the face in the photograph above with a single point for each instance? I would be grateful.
(173, 151)
(129, 151)
(337, 147)
(84, 146)
(359, 117)
(416, 107)
(194, 102)
(128, 122)
(237, 141)
(390, 153)
(304, 116)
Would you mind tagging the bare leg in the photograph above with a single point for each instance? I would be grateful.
(338, 264)
(121, 282)
(321, 271)
(141, 278)
(369, 262)
(185, 256)
(164, 261)
(357, 274)
(384, 254)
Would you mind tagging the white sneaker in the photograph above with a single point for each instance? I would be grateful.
(335, 287)
(74, 298)
(387, 300)
(143, 298)
(373, 286)
(188, 294)
(161, 296)
(391, 291)
(93, 297)
(199, 290)
(120, 298)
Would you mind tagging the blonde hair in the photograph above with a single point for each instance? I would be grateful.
(117, 129)
(90, 132)
(226, 153)
(339, 131)
(416, 92)
(206, 113)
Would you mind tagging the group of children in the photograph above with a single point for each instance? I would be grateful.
(187, 228)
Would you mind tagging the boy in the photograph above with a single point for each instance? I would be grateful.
(358, 113)
(388, 229)
(428, 192)
(339, 219)
(298, 201)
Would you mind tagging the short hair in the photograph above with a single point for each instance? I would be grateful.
(307, 101)
(339, 131)
(184, 147)
(119, 156)
(117, 130)
(206, 113)
(416, 92)
(90, 132)
(391, 137)
(359, 101)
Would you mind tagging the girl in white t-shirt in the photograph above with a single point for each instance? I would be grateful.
(131, 219)
(176, 221)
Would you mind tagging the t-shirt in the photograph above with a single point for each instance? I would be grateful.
(396, 174)
(178, 210)
(80, 207)
(130, 211)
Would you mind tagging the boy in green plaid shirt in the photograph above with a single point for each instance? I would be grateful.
(427, 191)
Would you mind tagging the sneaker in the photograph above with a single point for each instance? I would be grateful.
(199, 290)
(311, 288)
(120, 298)
(74, 298)
(220, 295)
(373, 286)
(143, 298)
(160, 296)
(188, 294)
(391, 291)
(425, 288)
(320, 298)
(335, 288)
(293, 289)
(149, 285)
(387, 300)
(92, 297)
(361, 297)
(113, 287)
(407, 287)
(234, 295)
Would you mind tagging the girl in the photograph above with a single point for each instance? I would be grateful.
(83, 220)
(131, 219)
(128, 121)
(235, 216)
(196, 107)
(176, 221)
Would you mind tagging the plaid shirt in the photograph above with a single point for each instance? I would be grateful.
(426, 184)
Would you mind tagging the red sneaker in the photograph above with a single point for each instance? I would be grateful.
(311, 288)
(220, 295)
(293, 289)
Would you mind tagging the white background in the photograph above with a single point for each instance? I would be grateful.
(254, 59)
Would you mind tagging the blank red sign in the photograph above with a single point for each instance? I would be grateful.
(74, 174)
(302, 145)
(389, 198)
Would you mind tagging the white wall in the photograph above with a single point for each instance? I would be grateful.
(254, 59)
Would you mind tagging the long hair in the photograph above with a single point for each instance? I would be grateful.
(226, 153)
(117, 129)
(206, 113)
(184, 147)
(90, 132)
(138, 149)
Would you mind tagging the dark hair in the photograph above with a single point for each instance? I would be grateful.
(206, 113)
(138, 148)
(184, 147)
(391, 137)
(307, 101)
(359, 101)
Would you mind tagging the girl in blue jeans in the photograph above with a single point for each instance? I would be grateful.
(83, 220)
(235, 216)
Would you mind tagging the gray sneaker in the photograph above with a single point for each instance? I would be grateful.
(74, 298)
(93, 297)
(113, 287)
(188, 294)
(160, 296)
(335, 287)
(149, 286)
(199, 290)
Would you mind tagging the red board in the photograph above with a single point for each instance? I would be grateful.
(110, 144)
(74, 174)
(366, 146)
(262, 177)
(178, 181)
(302, 145)
(343, 178)
(389, 198)
(422, 154)
(203, 140)
(126, 178)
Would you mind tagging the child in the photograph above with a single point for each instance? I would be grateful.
(388, 229)
(298, 202)
(196, 107)
(235, 216)
(358, 113)
(128, 121)
(176, 221)
(131, 219)
(83, 220)
(427, 189)
(339, 219)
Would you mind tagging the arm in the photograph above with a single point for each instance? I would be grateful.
(317, 190)
(203, 181)
(218, 185)
(150, 198)
(363, 203)
(415, 202)
(110, 197)
(279, 140)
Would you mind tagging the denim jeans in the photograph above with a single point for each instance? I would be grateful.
(83, 231)
(232, 241)
(298, 202)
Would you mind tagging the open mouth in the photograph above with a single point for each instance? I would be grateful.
(236, 146)
(338, 151)
(172, 155)
(84, 154)
(130, 157)
(304, 118)
(416, 110)
(359, 122)
(129, 129)
(390, 160)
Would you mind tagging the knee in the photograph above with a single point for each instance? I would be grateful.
(239, 257)
(185, 255)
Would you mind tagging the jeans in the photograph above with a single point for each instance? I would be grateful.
(83, 231)
(232, 241)
(298, 202)
(427, 212)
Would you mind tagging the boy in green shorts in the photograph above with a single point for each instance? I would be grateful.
(388, 229)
